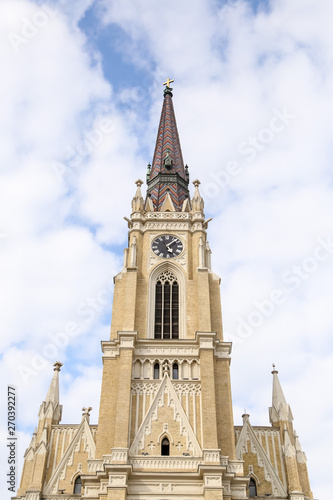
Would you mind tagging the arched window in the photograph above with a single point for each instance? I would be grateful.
(156, 371)
(166, 307)
(252, 488)
(175, 371)
(77, 485)
(165, 446)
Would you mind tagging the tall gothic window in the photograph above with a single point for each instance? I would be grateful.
(166, 307)
(175, 371)
(78, 485)
(252, 488)
(156, 371)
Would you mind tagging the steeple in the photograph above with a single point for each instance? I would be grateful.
(50, 408)
(280, 410)
(52, 395)
(167, 174)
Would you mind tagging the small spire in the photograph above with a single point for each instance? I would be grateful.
(187, 173)
(278, 396)
(300, 455)
(197, 200)
(138, 201)
(289, 448)
(50, 407)
(33, 439)
(53, 392)
(148, 172)
(280, 410)
(43, 438)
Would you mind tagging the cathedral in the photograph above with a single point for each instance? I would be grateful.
(165, 427)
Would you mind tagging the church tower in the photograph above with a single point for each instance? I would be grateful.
(166, 400)
(165, 427)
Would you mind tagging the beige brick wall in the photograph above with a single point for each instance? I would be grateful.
(208, 400)
(204, 319)
(224, 413)
(26, 476)
(265, 487)
(304, 479)
(38, 472)
(215, 307)
(108, 407)
(80, 457)
(292, 474)
(123, 399)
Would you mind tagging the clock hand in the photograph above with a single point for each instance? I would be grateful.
(168, 244)
(167, 247)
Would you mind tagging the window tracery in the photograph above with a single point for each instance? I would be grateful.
(166, 306)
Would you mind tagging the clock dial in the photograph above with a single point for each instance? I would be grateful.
(167, 246)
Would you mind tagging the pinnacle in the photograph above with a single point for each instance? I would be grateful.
(278, 396)
(53, 392)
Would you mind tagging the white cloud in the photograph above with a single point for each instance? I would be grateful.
(56, 277)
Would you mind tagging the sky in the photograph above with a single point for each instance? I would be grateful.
(81, 86)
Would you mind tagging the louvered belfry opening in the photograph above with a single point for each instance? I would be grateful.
(166, 307)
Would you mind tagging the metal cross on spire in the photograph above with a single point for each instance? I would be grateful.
(167, 83)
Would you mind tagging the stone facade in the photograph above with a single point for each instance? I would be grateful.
(165, 427)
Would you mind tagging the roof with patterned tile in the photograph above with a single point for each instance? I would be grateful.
(167, 174)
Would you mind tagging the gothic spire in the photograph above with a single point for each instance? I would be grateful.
(50, 408)
(280, 410)
(52, 395)
(167, 174)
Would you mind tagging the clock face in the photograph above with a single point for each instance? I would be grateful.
(167, 246)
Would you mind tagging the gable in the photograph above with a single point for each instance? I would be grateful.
(165, 417)
(84, 432)
(247, 437)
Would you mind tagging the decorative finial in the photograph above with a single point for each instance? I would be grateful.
(245, 416)
(139, 183)
(274, 371)
(86, 411)
(168, 89)
(187, 173)
(196, 183)
(148, 172)
(167, 83)
(57, 365)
